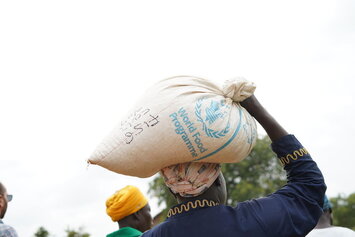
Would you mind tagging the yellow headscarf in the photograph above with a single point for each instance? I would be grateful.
(125, 202)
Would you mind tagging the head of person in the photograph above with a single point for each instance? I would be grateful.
(327, 215)
(4, 199)
(326, 219)
(129, 208)
(196, 180)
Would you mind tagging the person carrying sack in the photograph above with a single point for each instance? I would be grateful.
(200, 190)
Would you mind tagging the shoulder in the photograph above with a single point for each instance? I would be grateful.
(7, 231)
(332, 231)
(339, 229)
(155, 231)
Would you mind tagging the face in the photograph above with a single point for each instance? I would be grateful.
(145, 219)
(3, 205)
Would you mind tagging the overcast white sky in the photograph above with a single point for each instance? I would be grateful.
(69, 71)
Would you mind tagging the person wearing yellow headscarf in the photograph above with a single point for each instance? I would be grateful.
(130, 208)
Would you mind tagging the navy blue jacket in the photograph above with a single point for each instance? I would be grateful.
(291, 211)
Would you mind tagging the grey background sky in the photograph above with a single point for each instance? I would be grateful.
(69, 71)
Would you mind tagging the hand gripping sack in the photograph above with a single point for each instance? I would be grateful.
(181, 119)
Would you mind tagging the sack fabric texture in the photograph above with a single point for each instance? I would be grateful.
(181, 119)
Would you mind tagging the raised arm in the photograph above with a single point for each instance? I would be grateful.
(271, 126)
(294, 209)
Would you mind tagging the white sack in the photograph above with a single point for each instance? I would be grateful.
(180, 119)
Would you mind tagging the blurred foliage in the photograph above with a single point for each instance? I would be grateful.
(258, 175)
(41, 232)
(157, 188)
(76, 233)
(344, 211)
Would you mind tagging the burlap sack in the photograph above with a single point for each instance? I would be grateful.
(180, 119)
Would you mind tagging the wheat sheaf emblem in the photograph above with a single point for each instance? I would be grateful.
(212, 113)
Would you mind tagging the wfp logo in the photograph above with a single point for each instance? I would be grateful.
(213, 112)
(216, 110)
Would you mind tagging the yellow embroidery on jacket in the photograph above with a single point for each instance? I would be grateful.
(191, 205)
(294, 156)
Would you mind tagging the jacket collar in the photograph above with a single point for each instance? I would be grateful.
(191, 205)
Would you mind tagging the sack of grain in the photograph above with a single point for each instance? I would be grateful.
(180, 119)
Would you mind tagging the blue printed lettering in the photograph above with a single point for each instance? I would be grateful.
(179, 129)
(199, 142)
(186, 120)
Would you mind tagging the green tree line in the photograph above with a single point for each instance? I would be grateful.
(344, 210)
(43, 232)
